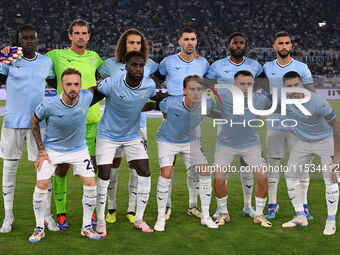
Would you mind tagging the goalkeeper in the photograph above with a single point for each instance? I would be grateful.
(87, 62)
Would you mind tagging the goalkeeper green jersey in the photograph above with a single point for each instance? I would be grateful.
(86, 64)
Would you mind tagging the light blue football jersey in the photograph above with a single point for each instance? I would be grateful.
(181, 123)
(224, 69)
(314, 127)
(25, 87)
(66, 125)
(111, 68)
(175, 69)
(274, 72)
(124, 104)
(237, 133)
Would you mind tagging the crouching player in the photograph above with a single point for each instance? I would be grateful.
(64, 142)
(319, 133)
(239, 138)
(177, 134)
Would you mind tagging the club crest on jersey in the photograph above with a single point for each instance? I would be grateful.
(91, 60)
(41, 67)
(197, 67)
(142, 94)
(83, 109)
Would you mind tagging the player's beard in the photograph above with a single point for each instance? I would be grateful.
(73, 97)
(283, 55)
(235, 55)
(189, 52)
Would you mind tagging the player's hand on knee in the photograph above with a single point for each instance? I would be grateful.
(42, 156)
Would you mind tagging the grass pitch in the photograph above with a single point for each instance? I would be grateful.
(184, 234)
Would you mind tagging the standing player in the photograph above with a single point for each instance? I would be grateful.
(175, 68)
(64, 142)
(87, 62)
(279, 137)
(25, 85)
(130, 40)
(237, 139)
(224, 70)
(318, 134)
(177, 134)
(126, 96)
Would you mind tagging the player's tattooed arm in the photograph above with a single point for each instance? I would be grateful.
(97, 96)
(36, 132)
(335, 124)
(42, 154)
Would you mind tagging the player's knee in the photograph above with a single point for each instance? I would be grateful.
(262, 182)
(219, 182)
(144, 172)
(62, 170)
(104, 172)
(43, 184)
(116, 162)
(89, 181)
(166, 172)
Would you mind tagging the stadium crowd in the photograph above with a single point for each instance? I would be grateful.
(161, 20)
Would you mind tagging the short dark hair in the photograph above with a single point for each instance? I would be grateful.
(78, 22)
(26, 27)
(232, 35)
(193, 77)
(244, 73)
(132, 54)
(291, 75)
(187, 30)
(70, 71)
(281, 34)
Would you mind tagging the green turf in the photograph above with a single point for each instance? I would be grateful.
(184, 234)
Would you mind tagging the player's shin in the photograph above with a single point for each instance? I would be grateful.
(143, 193)
(193, 186)
(261, 193)
(162, 195)
(205, 190)
(295, 194)
(39, 205)
(89, 203)
(273, 179)
(60, 193)
(305, 184)
(332, 198)
(247, 187)
(112, 189)
(133, 182)
(168, 203)
(48, 199)
(8, 185)
(102, 186)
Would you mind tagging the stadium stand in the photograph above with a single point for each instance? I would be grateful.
(314, 25)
